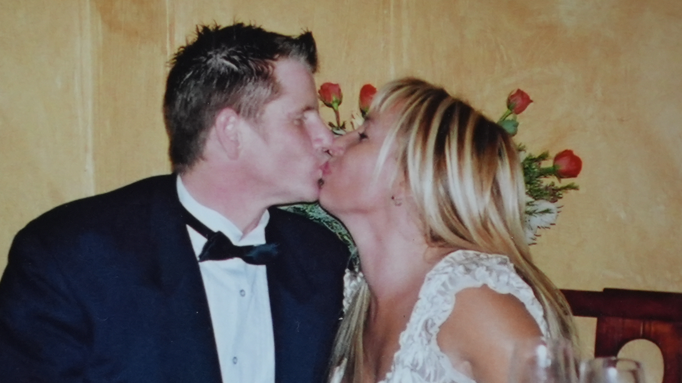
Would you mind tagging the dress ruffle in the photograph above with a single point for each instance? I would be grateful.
(419, 359)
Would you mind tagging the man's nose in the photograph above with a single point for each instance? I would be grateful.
(322, 136)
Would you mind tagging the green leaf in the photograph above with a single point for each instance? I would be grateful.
(511, 126)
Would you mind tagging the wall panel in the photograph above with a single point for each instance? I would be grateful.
(184, 16)
(129, 66)
(44, 123)
(82, 82)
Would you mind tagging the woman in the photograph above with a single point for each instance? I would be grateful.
(433, 194)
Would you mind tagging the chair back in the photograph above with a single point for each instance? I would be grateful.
(626, 315)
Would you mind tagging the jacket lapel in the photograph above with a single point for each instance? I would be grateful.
(298, 327)
(191, 351)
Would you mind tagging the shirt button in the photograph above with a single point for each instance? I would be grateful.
(242, 292)
(234, 360)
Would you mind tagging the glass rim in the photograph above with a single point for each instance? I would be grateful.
(622, 364)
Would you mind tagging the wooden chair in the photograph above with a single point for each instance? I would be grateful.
(625, 315)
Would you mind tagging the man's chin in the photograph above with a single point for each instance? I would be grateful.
(309, 196)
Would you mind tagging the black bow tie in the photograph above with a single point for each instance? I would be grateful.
(218, 247)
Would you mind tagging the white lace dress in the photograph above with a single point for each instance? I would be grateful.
(419, 359)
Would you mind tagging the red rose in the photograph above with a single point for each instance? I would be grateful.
(366, 96)
(330, 95)
(518, 101)
(567, 164)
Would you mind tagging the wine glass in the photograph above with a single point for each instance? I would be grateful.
(611, 370)
(539, 360)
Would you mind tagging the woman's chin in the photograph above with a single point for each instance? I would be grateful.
(325, 200)
(328, 201)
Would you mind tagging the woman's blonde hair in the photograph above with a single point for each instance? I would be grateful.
(465, 176)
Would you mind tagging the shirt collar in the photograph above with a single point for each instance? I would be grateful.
(217, 222)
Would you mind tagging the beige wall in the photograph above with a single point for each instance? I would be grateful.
(82, 80)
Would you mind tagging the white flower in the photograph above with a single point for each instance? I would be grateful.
(539, 214)
(356, 120)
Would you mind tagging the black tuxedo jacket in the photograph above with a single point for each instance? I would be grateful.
(108, 289)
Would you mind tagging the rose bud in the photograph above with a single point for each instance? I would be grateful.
(567, 164)
(367, 93)
(330, 95)
(518, 101)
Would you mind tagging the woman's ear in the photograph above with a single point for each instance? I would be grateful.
(399, 191)
(227, 132)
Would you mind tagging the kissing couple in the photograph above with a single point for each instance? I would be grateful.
(198, 276)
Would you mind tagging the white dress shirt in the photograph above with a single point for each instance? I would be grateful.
(237, 298)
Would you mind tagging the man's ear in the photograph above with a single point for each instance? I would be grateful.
(227, 132)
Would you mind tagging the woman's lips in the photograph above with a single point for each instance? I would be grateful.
(325, 169)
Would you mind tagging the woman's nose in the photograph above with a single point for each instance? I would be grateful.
(339, 145)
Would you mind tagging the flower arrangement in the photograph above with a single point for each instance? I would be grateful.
(542, 195)
(331, 96)
(542, 192)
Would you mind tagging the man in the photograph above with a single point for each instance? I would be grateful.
(125, 286)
